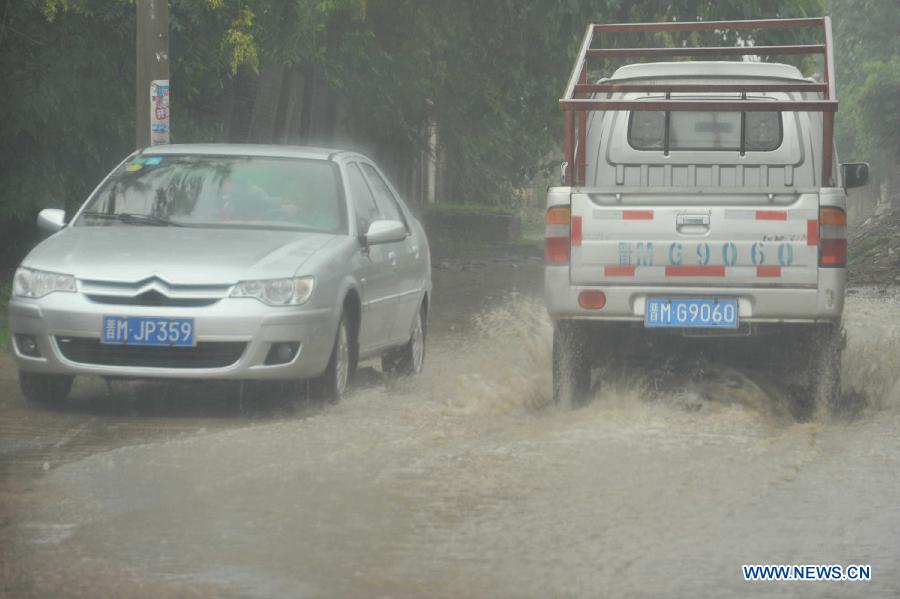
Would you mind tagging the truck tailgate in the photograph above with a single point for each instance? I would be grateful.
(740, 239)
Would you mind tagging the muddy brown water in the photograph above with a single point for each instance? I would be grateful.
(465, 482)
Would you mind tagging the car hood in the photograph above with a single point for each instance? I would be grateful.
(180, 255)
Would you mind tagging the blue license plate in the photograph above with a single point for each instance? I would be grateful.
(143, 330)
(715, 313)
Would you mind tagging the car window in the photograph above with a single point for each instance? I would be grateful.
(366, 209)
(384, 197)
(221, 191)
(705, 131)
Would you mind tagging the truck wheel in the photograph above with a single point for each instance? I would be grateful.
(332, 385)
(825, 368)
(409, 359)
(45, 389)
(571, 363)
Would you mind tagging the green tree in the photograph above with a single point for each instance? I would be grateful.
(868, 63)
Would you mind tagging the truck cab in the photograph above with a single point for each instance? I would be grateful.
(702, 203)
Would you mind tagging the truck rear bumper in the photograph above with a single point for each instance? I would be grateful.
(823, 303)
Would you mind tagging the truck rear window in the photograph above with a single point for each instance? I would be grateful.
(761, 131)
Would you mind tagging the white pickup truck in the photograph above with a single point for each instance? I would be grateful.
(702, 205)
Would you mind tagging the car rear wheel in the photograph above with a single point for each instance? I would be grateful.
(333, 384)
(571, 363)
(409, 359)
(45, 389)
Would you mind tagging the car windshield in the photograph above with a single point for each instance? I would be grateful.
(220, 191)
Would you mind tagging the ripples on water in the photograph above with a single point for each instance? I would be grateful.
(502, 362)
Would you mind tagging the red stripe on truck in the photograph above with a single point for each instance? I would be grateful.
(812, 232)
(637, 215)
(618, 271)
(771, 215)
(768, 271)
(695, 271)
(576, 231)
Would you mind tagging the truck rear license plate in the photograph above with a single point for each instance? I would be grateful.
(708, 313)
(141, 330)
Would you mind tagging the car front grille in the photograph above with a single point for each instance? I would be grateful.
(152, 298)
(203, 355)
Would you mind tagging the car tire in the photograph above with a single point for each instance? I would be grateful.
(826, 349)
(45, 389)
(571, 363)
(409, 359)
(332, 385)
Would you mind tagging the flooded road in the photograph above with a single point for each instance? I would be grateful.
(465, 482)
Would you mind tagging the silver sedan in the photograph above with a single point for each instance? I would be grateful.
(225, 262)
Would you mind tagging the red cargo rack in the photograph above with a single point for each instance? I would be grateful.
(576, 102)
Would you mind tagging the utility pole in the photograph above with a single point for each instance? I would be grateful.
(152, 76)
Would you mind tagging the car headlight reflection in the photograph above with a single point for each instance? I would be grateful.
(38, 283)
(277, 292)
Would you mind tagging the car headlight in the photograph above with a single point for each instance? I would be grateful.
(38, 283)
(277, 292)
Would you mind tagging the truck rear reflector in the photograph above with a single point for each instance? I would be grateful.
(812, 232)
(695, 271)
(556, 250)
(576, 231)
(768, 271)
(771, 215)
(592, 300)
(618, 271)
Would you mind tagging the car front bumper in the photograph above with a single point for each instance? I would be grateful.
(246, 326)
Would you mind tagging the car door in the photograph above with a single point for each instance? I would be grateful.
(403, 255)
(376, 270)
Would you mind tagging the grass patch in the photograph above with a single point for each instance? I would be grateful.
(867, 247)
(448, 208)
(444, 248)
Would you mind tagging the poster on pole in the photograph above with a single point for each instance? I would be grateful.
(159, 112)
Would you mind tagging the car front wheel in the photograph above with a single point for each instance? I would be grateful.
(45, 389)
(332, 385)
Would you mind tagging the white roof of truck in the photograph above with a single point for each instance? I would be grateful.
(730, 69)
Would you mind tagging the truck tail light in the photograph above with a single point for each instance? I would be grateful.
(833, 252)
(557, 234)
(832, 238)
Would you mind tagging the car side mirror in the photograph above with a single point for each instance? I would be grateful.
(51, 219)
(855, 174)
(385, 231)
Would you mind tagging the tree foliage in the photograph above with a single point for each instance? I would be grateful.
(868, 62)
(371, 74)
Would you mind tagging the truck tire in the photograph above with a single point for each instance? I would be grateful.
(827, 345)
(571, 363)
(45, 389)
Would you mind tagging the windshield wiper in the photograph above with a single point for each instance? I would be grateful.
(134, 219)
